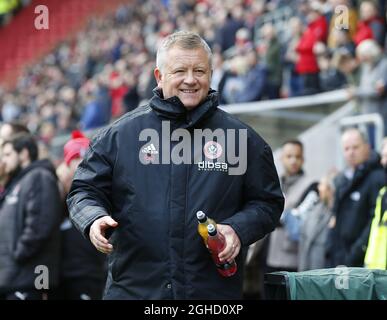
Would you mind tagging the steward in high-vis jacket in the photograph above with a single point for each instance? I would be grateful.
(151, 171)
(376, 254)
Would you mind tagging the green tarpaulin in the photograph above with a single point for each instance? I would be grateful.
(328, 284)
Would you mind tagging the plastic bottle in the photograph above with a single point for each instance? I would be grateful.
(216, 243)
(204, 221)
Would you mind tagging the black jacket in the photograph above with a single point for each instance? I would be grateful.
(158, 253)
(30, 214)
(80, 260)
(354, 208)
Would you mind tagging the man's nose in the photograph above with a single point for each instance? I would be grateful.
(190, 78)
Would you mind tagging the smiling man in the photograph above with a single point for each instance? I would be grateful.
(184, 73)
(142, 212)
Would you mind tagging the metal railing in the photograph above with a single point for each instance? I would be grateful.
(336, 96)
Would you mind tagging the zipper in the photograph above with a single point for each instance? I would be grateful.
(185, 221)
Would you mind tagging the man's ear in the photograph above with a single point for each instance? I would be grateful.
(158, 76)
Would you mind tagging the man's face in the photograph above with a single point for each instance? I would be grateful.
(186, 74)
(10, 159)
(356, 151)
(384, 156)
(367, 10)
(292, 158)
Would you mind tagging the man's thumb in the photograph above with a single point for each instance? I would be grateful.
(108, 221)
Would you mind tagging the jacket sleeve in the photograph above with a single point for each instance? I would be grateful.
(359, 247)
(43, 213)
(262, 196)
(90, 193)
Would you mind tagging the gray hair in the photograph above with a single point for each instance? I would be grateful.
(184, 40)
(369, 49)
(361, 131)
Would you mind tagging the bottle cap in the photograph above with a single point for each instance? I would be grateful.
(211, 229)
(201, 216)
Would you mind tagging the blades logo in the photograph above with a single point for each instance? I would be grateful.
(212, 150)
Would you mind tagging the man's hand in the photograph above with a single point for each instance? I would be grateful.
(97, 233)
(233, 244)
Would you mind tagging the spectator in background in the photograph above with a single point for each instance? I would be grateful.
(354, 201)
(7, 130)
(118, 90)
(232, 81)
(218, 70)
(270, 54)
(83, 269)
(291, 56)
(306, 66)
(97, 109)
(330, 77)
(342, 42)
(254, 81)
(314, 228)
(131, 98)
(376, 254)
(372, 91)
(371, 25)
(11, 109)
(243, 43)
(283, 251)
(30, 214)
(225, 37)
(348, 66)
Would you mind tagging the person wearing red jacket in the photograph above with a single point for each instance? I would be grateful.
(371, 26)
(306, 65)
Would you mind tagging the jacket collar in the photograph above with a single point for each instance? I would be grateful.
(345, 186)
(363, 169)
(173, 109)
